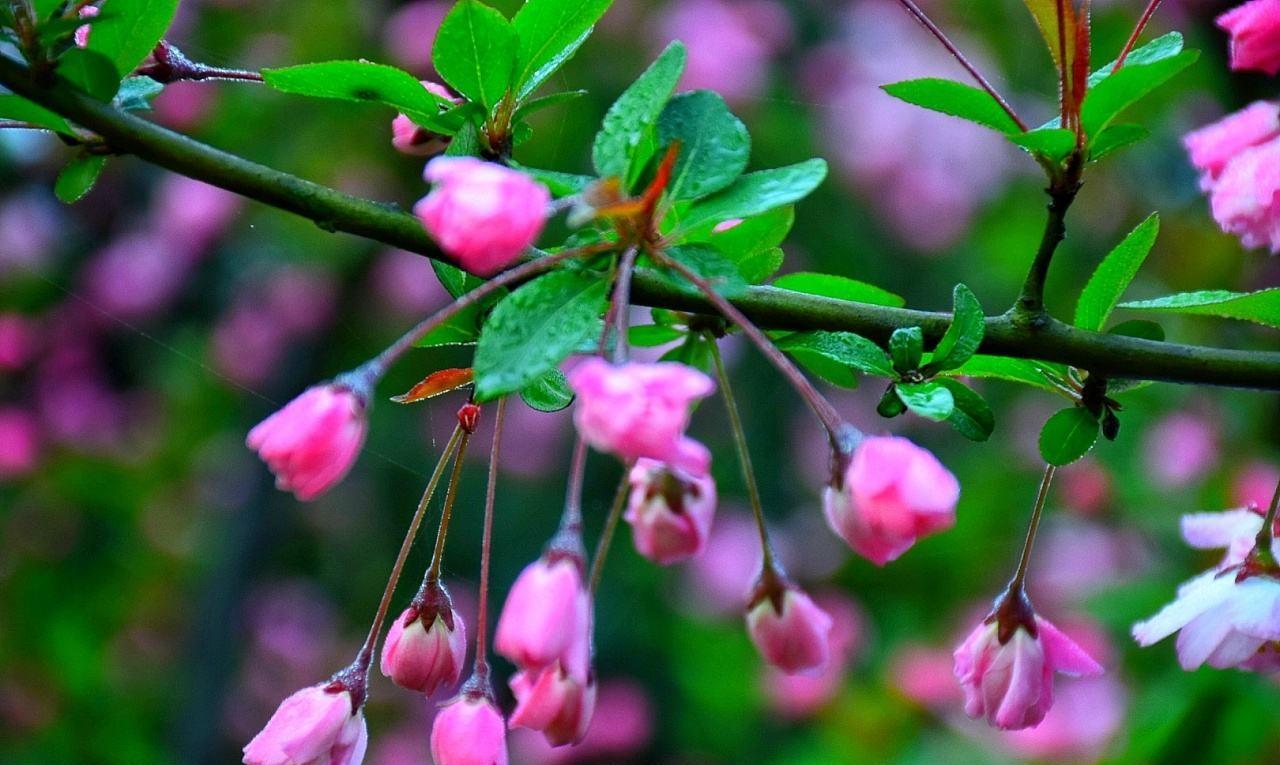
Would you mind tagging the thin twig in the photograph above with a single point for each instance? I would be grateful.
(1137, 32)
(1024, 561)
(610, 526)
(446, 513)
(486, 546)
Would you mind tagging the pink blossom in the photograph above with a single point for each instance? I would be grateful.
(469, 731)
(622, 727)
(481, 213)
(893, 493)
(1010, 682)
(408, 138)
(925, 675)
(313, 441)
(191, 214)
(731, 44)
(81, 35)
(17, 341)
(641, 410)
(555, 701)
(1232, 530)
(1085, 487)
(314, 726)
(546, 614)
(19, 443)
(722, 576)
(1255, 484)
(1246, 199)
(1255, 35)
(136, 276)
(1214, 146)
(670, 513)
(1180, 448)
(1087, 712)
(791, 632)
(1221, 619)
(410, 30)
(425, 648)
(801, 695)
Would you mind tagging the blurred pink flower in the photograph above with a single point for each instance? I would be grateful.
(720, 578)
(136, 276)
(17, 341)
(1180, 448)
(1214, 146)
(1255, 35)
(408, 138)
(313, 441)
(185, 105)
(1255, 484)
(731, 45)
(189, 214)
(1086, 714)
(1076, 558)
(792, 632)
(411, 30)
(19, 443)
(925, 675)
(247, 343)
(301, 300)
(406, 284)
(29, 229)
(1085, 487)
(670, 512)
(623, 726)
(1246, 198)
(795, 696)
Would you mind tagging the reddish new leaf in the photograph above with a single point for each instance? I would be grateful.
(436, 383)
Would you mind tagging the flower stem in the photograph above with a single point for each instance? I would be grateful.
(450, 496)
(1020, 576)
(1137, 32)
(364, 658)
(825, 412)
(571, 521)
(481, 669)
(744, 454)
(610, 526)
(1267, 532)
(621, 308)
(928, 24)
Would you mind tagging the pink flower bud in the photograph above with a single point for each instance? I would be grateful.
(469, 731)
(425, 648)
(1255, 35)
(670, 513)
(545, 615)
(314, 726)
(1213, 146)
(641, 410)
(483, 214)
(416, 141)
(1246, 199)
(1010, 682)
(554, 701)
(893, 492)
(312, 442)
(791, 632)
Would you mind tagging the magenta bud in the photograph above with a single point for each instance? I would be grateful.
(425, 649)
(791, 632)
(316, 726)
(557, 702)
(469, 731)
(546, 613)
(670, 512)
(313, 441)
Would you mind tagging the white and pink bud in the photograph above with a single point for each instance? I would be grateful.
(546, 614)
(318, 725)
(889, 494)
(789, 630)
(554, 700)
(469, 731)
(483, 214)
(426, 647)
(670, 512)
(409, 138)
(314, 440)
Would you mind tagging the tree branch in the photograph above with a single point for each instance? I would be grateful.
(332, 210)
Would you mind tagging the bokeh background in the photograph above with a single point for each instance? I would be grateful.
(158, 597)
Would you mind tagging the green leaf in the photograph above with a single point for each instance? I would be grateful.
(838, 287)
(931, 400)
(971, 417)
(768, 229)
(456, 281)
(131, 31)
(955, 99)
(1113, 274)
(714, 144)
(550, 32)
(546, 102)
(709, 263)
(635, 113)
(1261, 307)
(1144, 330)
(840, 375)
(137, 93)
(549, 393)
(1068, 435)
(758, 266)
(465, 143)
(1024, 371)
(475, 52)
(361, 81)
(1052, 143)
(652, 335)
(844, 348)
(1118, 91)
(890, 405)
(78, 177)
(91, 72)
(463, 328)
(1164, 46)
(758, 192)
(534, 328)
(1114, 138)
(906, 347)
(20, 109)
(962, 338)
(694, 352)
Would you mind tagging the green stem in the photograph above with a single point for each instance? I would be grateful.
(1030, 306)
(1024, 562)
(332, 210)
(1268, 524)
(446, 514)
(744, 454)
(481, 665)
(610, 526)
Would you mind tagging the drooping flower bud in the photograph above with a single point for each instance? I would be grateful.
(483, 214)
(1255, 35)
(555, 701)
(546, 612)
(427, 645)
(313, 441)
(791, 632)
(408, 138)
(891, 493)
(317, 725)
(1006, 667)
(1213, 146)
(638, 410)
(469, 731)
(669, 511)
(1246, 198)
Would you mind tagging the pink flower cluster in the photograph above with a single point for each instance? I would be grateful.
(1239, 162)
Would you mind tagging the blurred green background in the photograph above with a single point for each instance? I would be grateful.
(158, 597)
